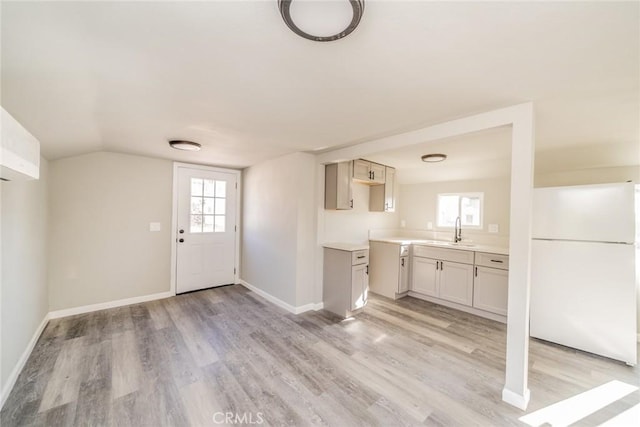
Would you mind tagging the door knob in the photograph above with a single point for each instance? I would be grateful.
(181, 240)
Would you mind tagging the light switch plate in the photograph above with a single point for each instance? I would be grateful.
(493, 228)
(403, 223)
(429, 225)
(154, 226)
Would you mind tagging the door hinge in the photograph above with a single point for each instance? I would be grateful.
(234, 271)
(236, 185)
(235, 228)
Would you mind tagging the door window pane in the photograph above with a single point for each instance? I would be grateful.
(196, 205)
(208, 224)
(220, 206)
(208, 206)
(209, 188)
(196, 224)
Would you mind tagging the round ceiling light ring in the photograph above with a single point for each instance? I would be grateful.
(433, 158)
(180, 144)
(358, 10)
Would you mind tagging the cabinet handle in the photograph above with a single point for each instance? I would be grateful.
(441, 266)
(402, 262)
(497, 260)
(476, 271)
(437, 265)
(360, 256)
(373, 174)
(351, 203)
(367, 270)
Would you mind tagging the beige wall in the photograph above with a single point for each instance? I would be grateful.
(418, 206)
(101, 248)
(278, 227)
(24, 293)
(353, 225)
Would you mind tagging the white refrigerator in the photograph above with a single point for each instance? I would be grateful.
(583, 269)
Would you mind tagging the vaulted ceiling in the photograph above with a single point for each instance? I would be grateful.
(128, 76)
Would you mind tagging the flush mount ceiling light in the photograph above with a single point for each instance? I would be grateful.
(433, 158)
(321, 21)
(184, 145)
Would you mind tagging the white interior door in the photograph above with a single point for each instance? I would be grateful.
(206, 228)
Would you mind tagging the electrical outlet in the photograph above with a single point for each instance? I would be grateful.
(493, 228)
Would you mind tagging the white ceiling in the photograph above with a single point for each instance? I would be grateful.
(88, 76)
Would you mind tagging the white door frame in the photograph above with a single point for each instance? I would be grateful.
(174, 216)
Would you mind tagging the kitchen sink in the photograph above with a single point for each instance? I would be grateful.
(453, 244)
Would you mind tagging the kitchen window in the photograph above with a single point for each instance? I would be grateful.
(467, 206)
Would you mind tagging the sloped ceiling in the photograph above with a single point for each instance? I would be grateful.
(128, 76)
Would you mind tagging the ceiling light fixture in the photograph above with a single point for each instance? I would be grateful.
(433, 158)
(184, 145)
(317, 23)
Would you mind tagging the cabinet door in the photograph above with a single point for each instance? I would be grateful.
(338, 183)
(456, 282)
(490, 290)
(378, 173)
(403, 281)
(359, 286)
(389, 188)
(361, 169)
(424, 276)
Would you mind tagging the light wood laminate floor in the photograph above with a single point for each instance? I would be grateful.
(182, 360)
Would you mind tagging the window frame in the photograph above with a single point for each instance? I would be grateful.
(477, 194)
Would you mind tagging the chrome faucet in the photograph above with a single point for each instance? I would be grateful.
(458, 231)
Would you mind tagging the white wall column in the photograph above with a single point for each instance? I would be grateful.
(516, 390)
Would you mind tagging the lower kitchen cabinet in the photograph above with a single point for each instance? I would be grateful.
(345, 280)
(389, 269)
(490, 290)
(436, 277)
(456, 282)
(425, 276)
(359, 286)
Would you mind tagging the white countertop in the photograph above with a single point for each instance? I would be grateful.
(346, 246)
(442, 244)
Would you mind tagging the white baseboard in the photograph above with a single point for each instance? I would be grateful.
(11, 381)
(111, 304)
(515, 399)
(277, 301)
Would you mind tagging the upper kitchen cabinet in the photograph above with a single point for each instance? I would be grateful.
(368, 172)
(382, 196)
(337, 186)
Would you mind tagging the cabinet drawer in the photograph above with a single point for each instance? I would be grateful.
(454, 255)
(492, 260)
(360, 257)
